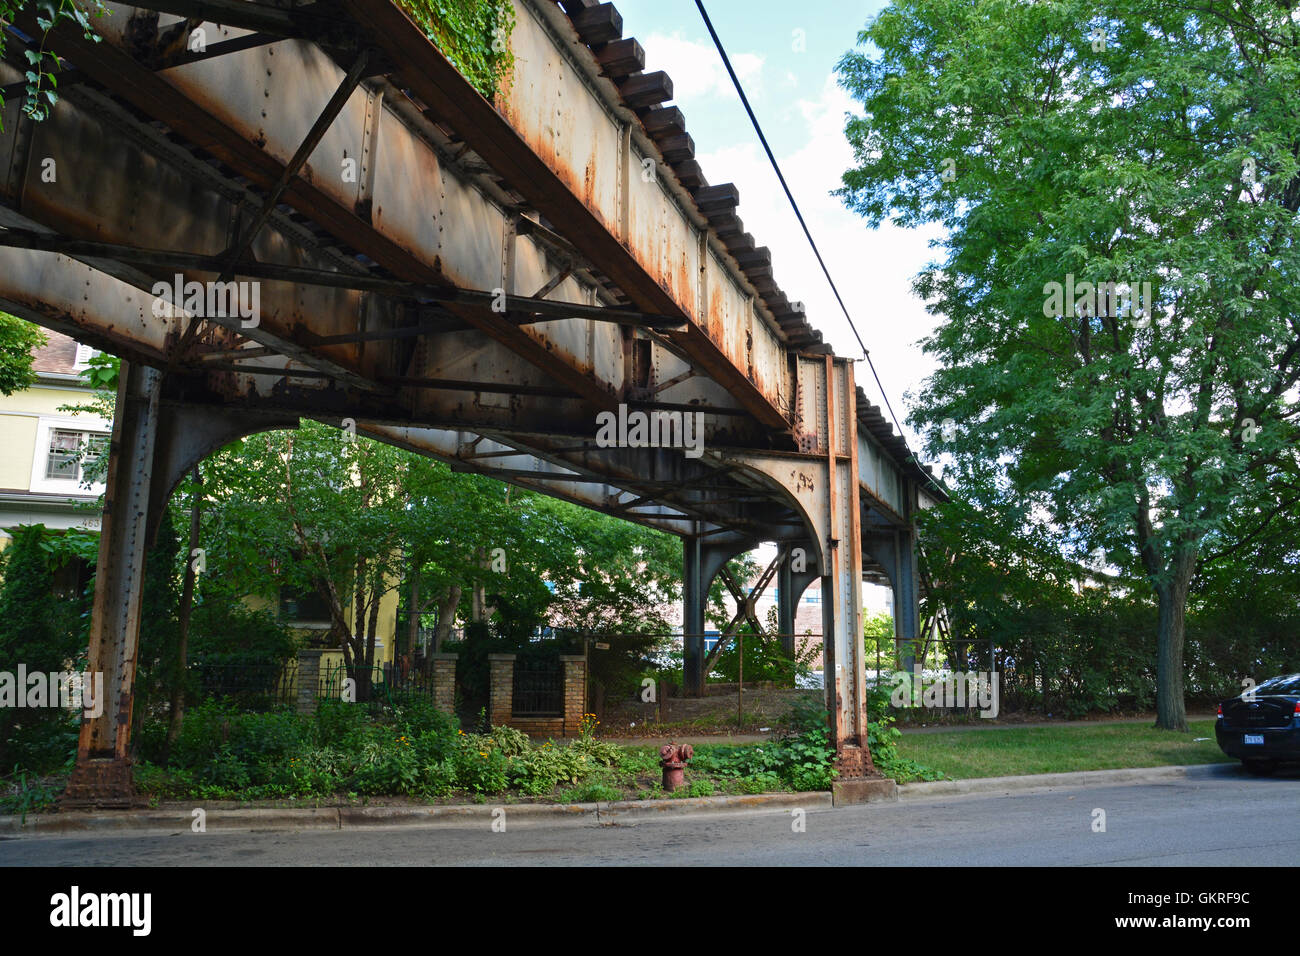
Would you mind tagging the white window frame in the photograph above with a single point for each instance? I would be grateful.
(40, 459)
(84, 354)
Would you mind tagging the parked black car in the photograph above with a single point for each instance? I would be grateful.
(1261, 728)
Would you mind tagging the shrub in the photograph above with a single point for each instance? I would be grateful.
(539, 770)
(478, 766)
(591, 793)
(509, 741)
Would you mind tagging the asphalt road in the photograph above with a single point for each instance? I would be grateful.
(1219, 816)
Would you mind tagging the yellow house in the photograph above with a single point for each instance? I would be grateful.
(40, 475)
(41, 479)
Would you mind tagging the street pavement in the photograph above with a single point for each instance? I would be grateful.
(1217, 816)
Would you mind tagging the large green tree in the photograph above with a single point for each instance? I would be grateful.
(1124, 141)
(19, 340)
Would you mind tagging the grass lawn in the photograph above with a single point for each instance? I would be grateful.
(1006, 752)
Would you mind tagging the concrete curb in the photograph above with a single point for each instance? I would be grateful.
(353, 818)
(1050, 781)
(629, 811)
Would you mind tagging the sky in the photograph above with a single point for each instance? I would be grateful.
(785, 56)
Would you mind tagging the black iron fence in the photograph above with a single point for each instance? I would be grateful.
(538, 687)
(378, 687)
(256, 686)
(266, 686)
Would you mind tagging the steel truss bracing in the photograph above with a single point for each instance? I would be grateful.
(475, 281)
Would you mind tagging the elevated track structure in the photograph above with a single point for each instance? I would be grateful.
(474, 280)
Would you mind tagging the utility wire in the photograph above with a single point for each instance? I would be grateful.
(735, 80)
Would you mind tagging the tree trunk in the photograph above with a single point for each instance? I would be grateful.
(413, 614)
(177, 715)
(446, 616)
(1171, 709)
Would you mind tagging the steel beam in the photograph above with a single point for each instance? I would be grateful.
(824, 484)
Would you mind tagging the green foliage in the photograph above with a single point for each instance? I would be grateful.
(1010, 126)
(18, 339)
(473, 34)
(765, 659)
(26, 794)
(882, 741)
(228, 633)
(802, 759)
(700, 788)
(591, 793)
(156, 661)
(44, 634)
(1066, 640)
(224, 752)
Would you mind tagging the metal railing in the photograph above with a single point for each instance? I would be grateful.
(538, 688)
(378, 687)
(250, 686)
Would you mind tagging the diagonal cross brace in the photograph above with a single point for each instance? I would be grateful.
(744, 606)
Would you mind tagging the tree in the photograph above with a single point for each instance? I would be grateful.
(18, 341)
(1092, 143)
(43, 635)
(311, 510)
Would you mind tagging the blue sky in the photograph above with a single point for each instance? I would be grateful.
(785, 55)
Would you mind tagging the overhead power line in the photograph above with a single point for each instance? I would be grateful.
(776, 167)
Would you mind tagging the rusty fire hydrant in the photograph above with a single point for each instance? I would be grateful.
(673, 759)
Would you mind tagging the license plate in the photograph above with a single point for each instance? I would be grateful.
(1254, 739)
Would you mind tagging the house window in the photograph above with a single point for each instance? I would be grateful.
(70, 451)
(304, 607)
(84, 354)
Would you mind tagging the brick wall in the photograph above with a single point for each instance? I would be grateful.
(308, 679)
(501, 688)
(444, 682)
(575, 692)
(501, 669)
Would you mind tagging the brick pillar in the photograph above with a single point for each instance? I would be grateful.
(501, 688)
(575, 692)
(444, 682)
(308, 678)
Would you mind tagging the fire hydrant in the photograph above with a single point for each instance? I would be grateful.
(673, 759)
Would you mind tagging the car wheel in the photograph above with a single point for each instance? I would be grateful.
(1260, 768)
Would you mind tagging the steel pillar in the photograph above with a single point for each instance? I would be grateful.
(895, 551)
(786, 604)
(790, 587)
(824, 484)
(102, 775)
(703, 559)
(153, 445)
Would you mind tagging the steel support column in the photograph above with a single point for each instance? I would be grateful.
(786, 604)
(102, 775)
(703, 559)
(907, 609)
(895, 551)
(790, 587)
(824, 483)
(153, 445)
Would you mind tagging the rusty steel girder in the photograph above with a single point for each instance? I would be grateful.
(382, 214)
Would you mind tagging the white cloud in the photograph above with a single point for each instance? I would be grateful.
(873, 269)
(696, 68)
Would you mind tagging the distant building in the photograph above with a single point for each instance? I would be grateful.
(40, 469)
(41, 479)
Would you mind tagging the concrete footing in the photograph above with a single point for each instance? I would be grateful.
(846, 793)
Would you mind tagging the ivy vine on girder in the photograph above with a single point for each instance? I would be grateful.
(42, 67)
